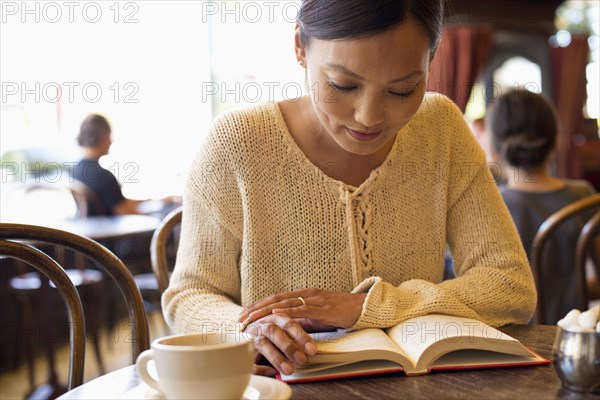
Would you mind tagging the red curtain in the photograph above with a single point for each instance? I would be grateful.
(458, 61)
(569, 84)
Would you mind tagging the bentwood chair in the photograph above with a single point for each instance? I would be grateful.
(162, 246)
(64, 198)
(22, 241)
(84, 195)
(159, 250)
(585, 242)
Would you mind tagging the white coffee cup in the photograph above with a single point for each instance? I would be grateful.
(199, 365)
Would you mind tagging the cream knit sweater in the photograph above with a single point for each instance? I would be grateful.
(259, 218)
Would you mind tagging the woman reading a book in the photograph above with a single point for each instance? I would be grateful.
(333, 210)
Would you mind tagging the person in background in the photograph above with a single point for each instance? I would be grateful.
(333, 210)
(95, 140)
(523, 129)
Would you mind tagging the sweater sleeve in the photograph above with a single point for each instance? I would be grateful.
(204, 290)
(494, 283)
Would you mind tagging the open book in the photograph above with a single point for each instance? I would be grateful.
(415, 346)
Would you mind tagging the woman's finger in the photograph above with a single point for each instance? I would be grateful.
(320, 316)
(274, 299)
(312, 326)
(309, 312)
(286, 304)
(262, 366)
(287, 337)
(263, 370)
(263, 345)
(297, 333)
(330, 308)
(337, 309)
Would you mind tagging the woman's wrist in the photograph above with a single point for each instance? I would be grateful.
(359, 306)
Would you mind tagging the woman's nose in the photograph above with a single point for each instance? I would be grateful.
(368, 113)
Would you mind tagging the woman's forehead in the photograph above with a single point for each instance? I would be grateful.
(403, 47)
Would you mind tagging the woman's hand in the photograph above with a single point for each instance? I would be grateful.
(282, 341)
(318, 307)
(279, 324)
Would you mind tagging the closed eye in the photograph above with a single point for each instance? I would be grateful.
(351, 88)
(342, 88)
(403, 94)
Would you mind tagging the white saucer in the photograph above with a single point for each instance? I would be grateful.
(259, 388)
(262, 387)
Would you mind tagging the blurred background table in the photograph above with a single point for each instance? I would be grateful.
(104, 227)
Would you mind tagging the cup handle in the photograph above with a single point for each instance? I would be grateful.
(142, 369)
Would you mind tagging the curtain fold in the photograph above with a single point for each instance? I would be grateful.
(569, 81)
(462, 53)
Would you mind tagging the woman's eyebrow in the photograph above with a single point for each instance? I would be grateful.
(346, 71)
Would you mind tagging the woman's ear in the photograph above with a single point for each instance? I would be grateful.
(299, 47)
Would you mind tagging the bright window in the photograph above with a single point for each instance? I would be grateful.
(518, 72)
(158, 70)
(583, 17)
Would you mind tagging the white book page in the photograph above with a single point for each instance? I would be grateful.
(342, 370)
(361, 340)
(465, 358)
(416, 335)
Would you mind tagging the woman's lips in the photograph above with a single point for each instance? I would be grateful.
(363, 136)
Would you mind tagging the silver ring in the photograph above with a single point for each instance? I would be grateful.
(302, 300)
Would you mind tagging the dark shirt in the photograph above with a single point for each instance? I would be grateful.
(529, 210)
(102, 182)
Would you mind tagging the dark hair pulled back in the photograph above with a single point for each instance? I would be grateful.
(348, 19)
(523, 127)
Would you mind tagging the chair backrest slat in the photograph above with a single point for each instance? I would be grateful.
(550, 225)
(587, 235)
(53, 271)
(158, 247)
(105, 259)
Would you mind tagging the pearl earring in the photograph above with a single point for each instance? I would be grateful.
(301, 63)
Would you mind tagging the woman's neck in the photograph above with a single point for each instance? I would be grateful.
(538, 180)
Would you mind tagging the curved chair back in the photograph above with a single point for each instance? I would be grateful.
(158, 247)
(103, 258)
(587, 236)
(53, 271)
(545, 231)
(84, 195)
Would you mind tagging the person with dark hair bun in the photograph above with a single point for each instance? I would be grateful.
(333, 210)
(523, 128)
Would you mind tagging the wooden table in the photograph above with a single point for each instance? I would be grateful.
(113, 227)
(506, 383)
